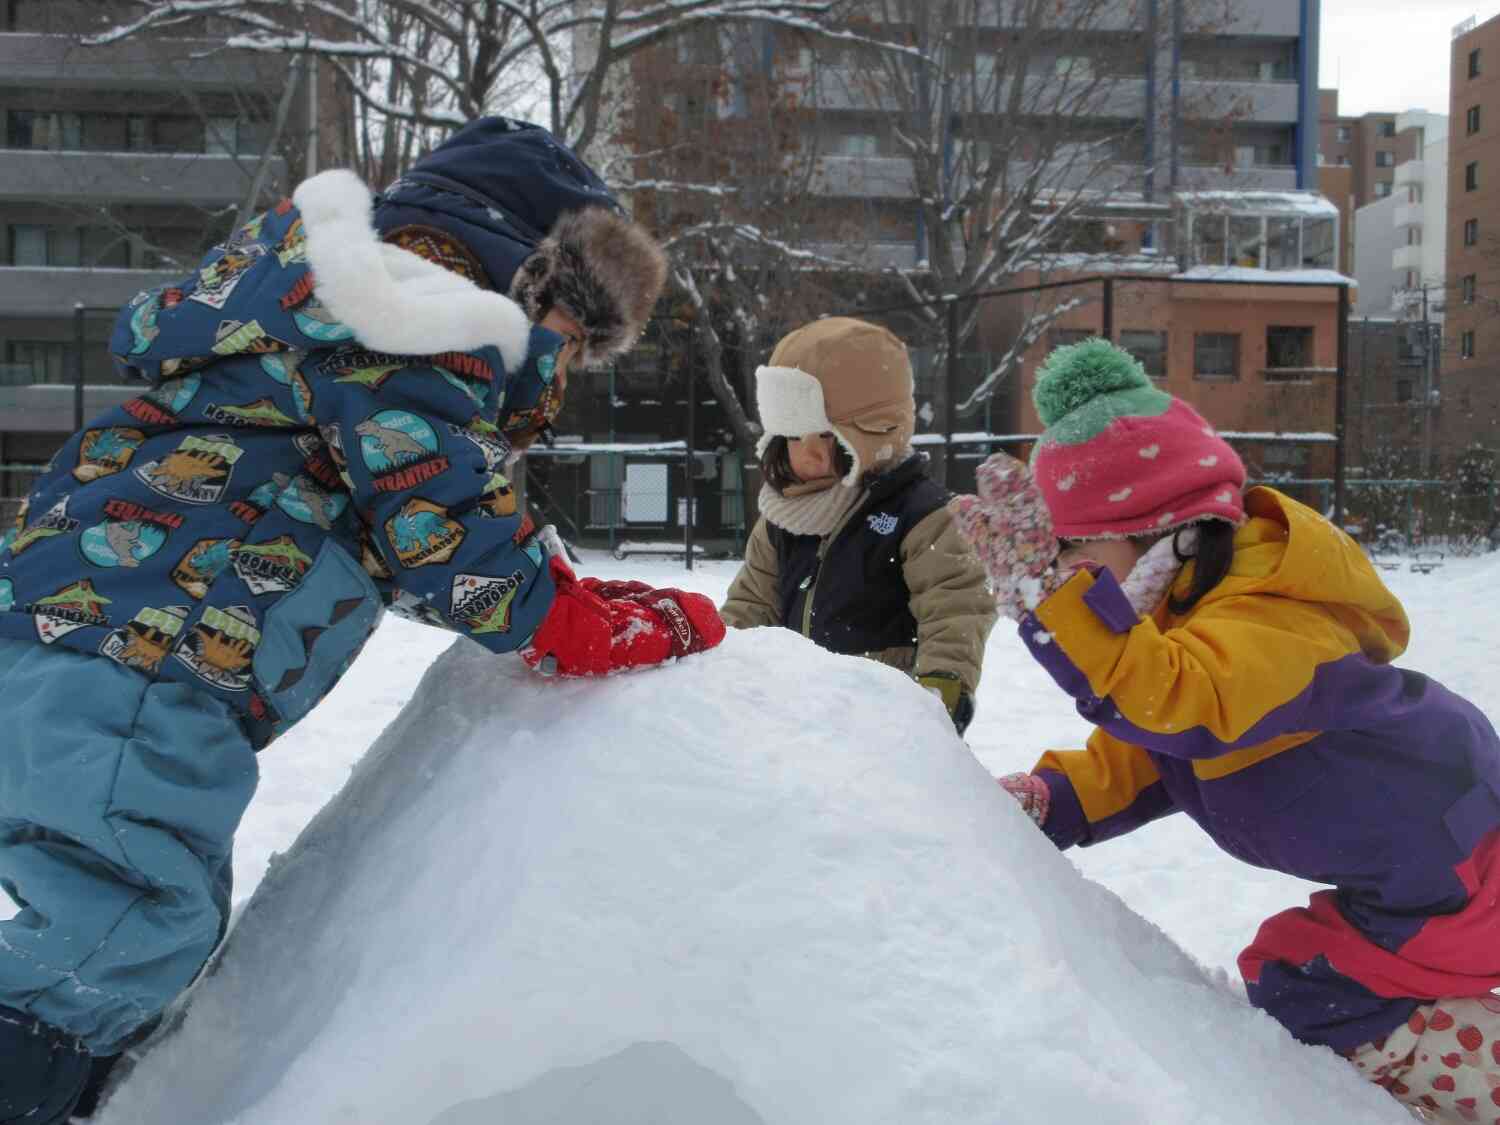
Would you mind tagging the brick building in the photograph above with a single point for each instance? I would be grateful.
(1469, 417)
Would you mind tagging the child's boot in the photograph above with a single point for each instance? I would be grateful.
(42, 1071)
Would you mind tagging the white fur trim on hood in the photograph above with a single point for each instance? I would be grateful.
(391, 299)
(790, 403)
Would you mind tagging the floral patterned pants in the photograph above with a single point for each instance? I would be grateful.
(1444, 1063)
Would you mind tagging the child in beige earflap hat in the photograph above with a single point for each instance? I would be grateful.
(855, 547)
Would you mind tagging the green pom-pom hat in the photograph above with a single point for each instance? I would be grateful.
(1121, 458)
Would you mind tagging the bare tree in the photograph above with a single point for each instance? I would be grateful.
(419, 68)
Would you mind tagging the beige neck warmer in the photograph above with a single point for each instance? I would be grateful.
(814, 513)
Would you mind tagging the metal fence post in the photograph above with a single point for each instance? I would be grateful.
(689, 463)
(1340, 405)
(1109, 309)
(78, 312)
(950, 392)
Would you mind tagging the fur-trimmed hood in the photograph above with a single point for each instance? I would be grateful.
(392, 299)
(504, 203)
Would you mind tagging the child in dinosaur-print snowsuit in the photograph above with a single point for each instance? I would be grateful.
(328, 409)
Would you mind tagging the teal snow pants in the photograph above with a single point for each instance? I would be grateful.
(119, 799)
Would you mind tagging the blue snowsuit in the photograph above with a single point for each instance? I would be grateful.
(199, 566)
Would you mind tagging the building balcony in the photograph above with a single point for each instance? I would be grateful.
(865, 177)
(1263, 103)
(1407, 258)
(872, 255)
(1412, 172)
(53, 293)
(41, 175)
(39, 62)
(1250, 177)
(1272, 19)
(1408, 215)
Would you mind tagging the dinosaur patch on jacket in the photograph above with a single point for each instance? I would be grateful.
(106, 451)
(144, 641)
(204, 562)
(400, 449)
(197, 472)
(421, 534)
(54, 521)
(76, 606)
(220, 648)
(130, 536)
(482, 603)
(272, 567)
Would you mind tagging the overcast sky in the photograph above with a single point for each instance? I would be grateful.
(1385, 57)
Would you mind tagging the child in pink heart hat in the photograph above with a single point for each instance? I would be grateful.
(1235, 652)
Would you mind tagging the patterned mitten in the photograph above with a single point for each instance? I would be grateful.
(1030, 792)
(1011, 532)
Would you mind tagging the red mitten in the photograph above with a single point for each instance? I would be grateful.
(651, 626)
(595, 628)
(574, 638)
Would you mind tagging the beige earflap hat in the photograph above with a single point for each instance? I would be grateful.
(842, 375)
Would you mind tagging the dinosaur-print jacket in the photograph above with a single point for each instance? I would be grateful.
(321, 435)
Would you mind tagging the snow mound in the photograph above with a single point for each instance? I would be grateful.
(766, 886)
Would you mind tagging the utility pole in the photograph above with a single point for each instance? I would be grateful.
(1426, 464)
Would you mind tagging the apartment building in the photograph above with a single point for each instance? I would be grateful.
(1469, 416)
(1401, 239)
(119, 166)
(1370, 144)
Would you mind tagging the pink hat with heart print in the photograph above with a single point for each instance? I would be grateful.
(1120, 458)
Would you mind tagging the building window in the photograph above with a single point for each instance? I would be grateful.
(1471, 232)
(1466, 344)
(1288, 349)
(1216, 355)
(1383, 188)
(1318, 238)
(32, 245)
(1343, 160)
(1386, 129)
(56, 131)
(1344, 133)
(1411, 279)
(1414, 236)
(855, 144)
(41, 361)
(1403, 390)
(1148, 347)
(1062, 337)
(1471, 176)
(1470, 287)
(1385, 159)
(1471, 120)
(1474, 70)
(1209, 242)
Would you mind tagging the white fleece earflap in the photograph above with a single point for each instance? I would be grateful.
(790, 402)
(393, 300)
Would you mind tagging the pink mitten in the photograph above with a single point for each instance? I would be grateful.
(1030, 792)
(1011, 531)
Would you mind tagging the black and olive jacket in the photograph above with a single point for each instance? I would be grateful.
(894, 581)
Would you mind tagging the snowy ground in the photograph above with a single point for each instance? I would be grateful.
(556, 914)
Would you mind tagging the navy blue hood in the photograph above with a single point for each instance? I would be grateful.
(497, 186)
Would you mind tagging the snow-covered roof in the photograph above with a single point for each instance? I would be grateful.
(1252, 274)
(1260, 202)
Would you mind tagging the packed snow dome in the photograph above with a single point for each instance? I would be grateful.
(765, 886)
